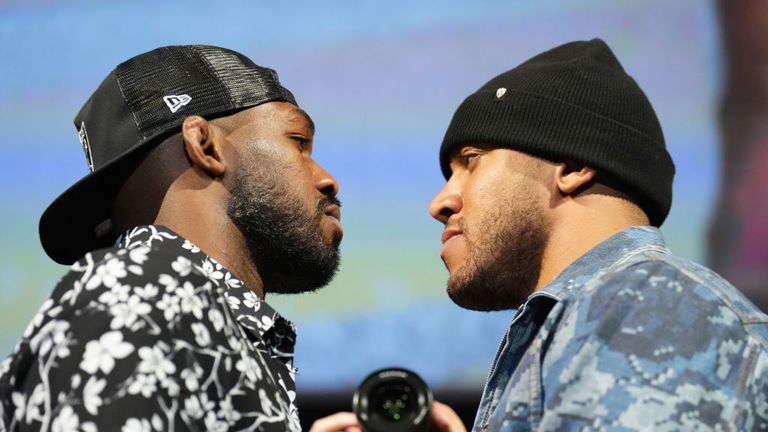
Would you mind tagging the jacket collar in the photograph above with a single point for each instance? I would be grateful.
(602, 259)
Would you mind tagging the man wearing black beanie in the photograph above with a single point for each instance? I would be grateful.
(557, 181)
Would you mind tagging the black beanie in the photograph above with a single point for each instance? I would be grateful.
(573, 102)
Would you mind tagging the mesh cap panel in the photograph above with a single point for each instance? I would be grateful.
(215, 79)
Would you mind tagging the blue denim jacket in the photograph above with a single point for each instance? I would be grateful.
(630, 337)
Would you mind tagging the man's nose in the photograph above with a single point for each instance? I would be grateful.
(324, 181)
(446, 203)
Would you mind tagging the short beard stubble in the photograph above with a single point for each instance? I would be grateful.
(505, 256)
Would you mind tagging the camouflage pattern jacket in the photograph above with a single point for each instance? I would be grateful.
(630, 337)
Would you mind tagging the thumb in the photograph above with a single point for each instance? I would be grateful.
(445, 419)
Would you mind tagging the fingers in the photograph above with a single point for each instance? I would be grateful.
(339, 422)
(445, 419)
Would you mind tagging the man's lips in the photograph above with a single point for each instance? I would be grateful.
(333, 211)
(449, 233)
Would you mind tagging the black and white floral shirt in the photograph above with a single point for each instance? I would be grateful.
(151, 335)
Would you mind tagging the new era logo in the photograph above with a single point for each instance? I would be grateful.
(175, 102)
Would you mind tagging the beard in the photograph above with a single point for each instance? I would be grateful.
(283, 237)
(504, 259)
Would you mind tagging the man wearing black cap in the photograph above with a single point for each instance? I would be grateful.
(203, 196)
(557, 181)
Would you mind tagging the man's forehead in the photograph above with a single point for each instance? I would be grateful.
(484, 146)
(517, 155)
(272, 112)
(297, 114)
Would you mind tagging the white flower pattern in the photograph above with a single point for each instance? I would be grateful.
(91, 394)
(154, 361)
(126, 314)
(144, 384)
(157, 320)
(136, 425)
(107, 274)
(101, 354)
(66, 421)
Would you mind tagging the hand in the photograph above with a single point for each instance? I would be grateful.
(445, 419)
(339, 422)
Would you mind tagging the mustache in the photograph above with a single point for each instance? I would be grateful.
(327, 201)
(458, 224)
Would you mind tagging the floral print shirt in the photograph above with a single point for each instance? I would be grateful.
(151, 335)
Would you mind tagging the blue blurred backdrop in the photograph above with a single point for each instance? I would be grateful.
(381, 80)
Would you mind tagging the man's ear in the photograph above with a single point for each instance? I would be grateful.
(572, 177)
(202, 144)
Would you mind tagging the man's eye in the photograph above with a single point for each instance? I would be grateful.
(302, 142)
(468, 159)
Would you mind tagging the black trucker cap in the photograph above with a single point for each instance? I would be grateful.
(140, 103)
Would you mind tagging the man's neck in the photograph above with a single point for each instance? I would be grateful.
(573, 236)
(232, 252)
(217, 237)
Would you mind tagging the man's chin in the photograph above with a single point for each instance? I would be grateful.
(333, 229)
(477, 303)
(484, 295)
(336, 238)
(312, 278)
(461, 292)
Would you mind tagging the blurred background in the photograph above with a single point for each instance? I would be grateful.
(381, 80)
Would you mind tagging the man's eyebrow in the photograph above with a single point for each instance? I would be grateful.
(301, 113)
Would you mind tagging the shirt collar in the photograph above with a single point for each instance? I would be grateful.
(257, 317)
(602, 258)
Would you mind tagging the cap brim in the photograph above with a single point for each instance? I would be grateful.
(68, 226)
